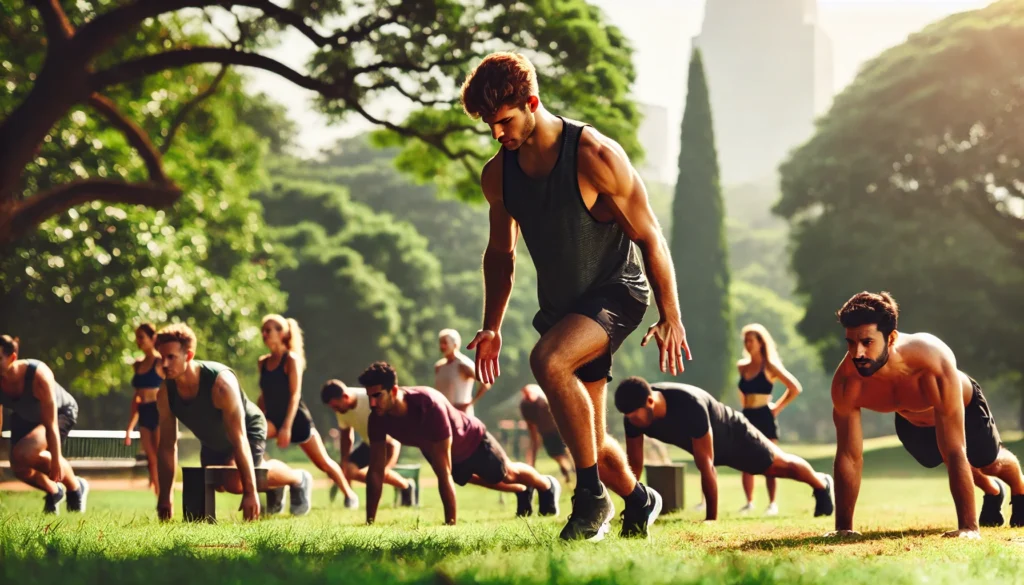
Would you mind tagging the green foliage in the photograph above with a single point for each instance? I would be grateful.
(698, 243)
(76, 288)
(911, 185)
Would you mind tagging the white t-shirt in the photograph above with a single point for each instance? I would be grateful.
(359, 417)
(450, 381)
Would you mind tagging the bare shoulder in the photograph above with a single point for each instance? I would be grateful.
(466, 360)
(925, 351)
(261, 359)
(439, 363)
(490, 179)
(845, 385)
(602, 160)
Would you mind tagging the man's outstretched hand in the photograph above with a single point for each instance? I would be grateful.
(487, 344)
(671, 337)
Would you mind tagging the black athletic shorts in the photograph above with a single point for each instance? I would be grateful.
(983, 442)
(302, 426)
(149, 416)
(617, 312)
(554, 444)
(209, 457)
(744, 449)
(763, 420)
(487, 462)
(360, 456)
(67, 416)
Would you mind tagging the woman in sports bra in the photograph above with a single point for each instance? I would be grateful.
(759, 369)
(146, 382)
(288, 417)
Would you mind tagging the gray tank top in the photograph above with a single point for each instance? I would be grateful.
(574, 253)
(26, 406)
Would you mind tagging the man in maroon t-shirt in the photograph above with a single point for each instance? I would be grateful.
(457, 445)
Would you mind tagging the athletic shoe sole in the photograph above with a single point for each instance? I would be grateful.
(556, 489)
(605, 528)
(655, 512)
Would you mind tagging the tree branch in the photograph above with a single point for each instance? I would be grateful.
(136, 136)
(144, 66)
(185, 110)
(55, 20)
(436, 140)
(29, 213)
(390, 83)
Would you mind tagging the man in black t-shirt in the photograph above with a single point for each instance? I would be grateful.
(689, 418)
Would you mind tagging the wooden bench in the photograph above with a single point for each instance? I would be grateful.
(91, 451)
(667, 480)
(199, 490)
(408, 471)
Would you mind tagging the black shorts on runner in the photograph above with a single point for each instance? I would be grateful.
(209, 457)
(618, 313)
(149, 416)
(302, 425)
(360, 456)
(554, 444)
(983, 442)
(487, 462)
(745, 449)
(67, 416)
(764, 421)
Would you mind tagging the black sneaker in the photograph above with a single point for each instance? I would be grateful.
(547, 500)
(1017, 516)
(637, 519)
(300, 496)
(409, 495)
(275, 501)
(824, 505)
(51, 502)
(591, 516)
(77, 498)
(524, 503)
(992, 509)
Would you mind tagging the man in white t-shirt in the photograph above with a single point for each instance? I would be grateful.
(352, 409)
(455, 373)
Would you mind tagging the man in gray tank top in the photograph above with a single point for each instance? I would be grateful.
(586, 220)
(231, 429)
(43, 413)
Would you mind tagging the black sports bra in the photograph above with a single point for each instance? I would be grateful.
(759, 384)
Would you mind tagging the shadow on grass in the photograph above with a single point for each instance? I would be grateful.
(770, 544)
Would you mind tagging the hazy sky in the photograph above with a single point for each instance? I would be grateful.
(661, 31)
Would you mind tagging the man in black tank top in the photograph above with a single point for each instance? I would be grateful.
(584, 215)
(208, 399)
(691, 419)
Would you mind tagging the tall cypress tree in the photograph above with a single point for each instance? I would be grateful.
(699, 245)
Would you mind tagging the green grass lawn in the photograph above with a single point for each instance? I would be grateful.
(902, 512)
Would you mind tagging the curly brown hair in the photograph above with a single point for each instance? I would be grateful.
(501, 79)
(865, 308)
(379, 374)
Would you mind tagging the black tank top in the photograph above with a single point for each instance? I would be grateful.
(759, 384)
(574, 254)
(275, 387)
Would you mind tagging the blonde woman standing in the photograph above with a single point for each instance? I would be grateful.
(759, 368)
(288, 417)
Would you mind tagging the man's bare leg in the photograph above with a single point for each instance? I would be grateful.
(985, 483)
(790, 466)
(565, 466)
(1007, 468)
(30, 461)
(611, 462)
(509, 488)
(571, 343)
(391, 478)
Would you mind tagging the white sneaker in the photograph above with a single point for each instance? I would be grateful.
(773, 510)
(749, 507)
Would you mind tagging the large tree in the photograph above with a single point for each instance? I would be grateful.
(414, 50)
(75, 287)
(698, 242)
(912, 184)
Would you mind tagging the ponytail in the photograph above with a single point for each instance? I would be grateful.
(295, 344)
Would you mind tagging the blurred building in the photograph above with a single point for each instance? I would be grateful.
(769, 70)
(654, 137)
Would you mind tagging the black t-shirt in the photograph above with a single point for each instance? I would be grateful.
(689, 413)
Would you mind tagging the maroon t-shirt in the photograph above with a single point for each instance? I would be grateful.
(430, 418)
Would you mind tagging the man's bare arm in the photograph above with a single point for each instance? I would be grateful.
(704, 459)
(439, 454)
(227, 397)
(635, 454)
(43, 387)
(375, 478)
(500, 255)
(944, 392)
(535, 440)
(849, 462)
(606, 166)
